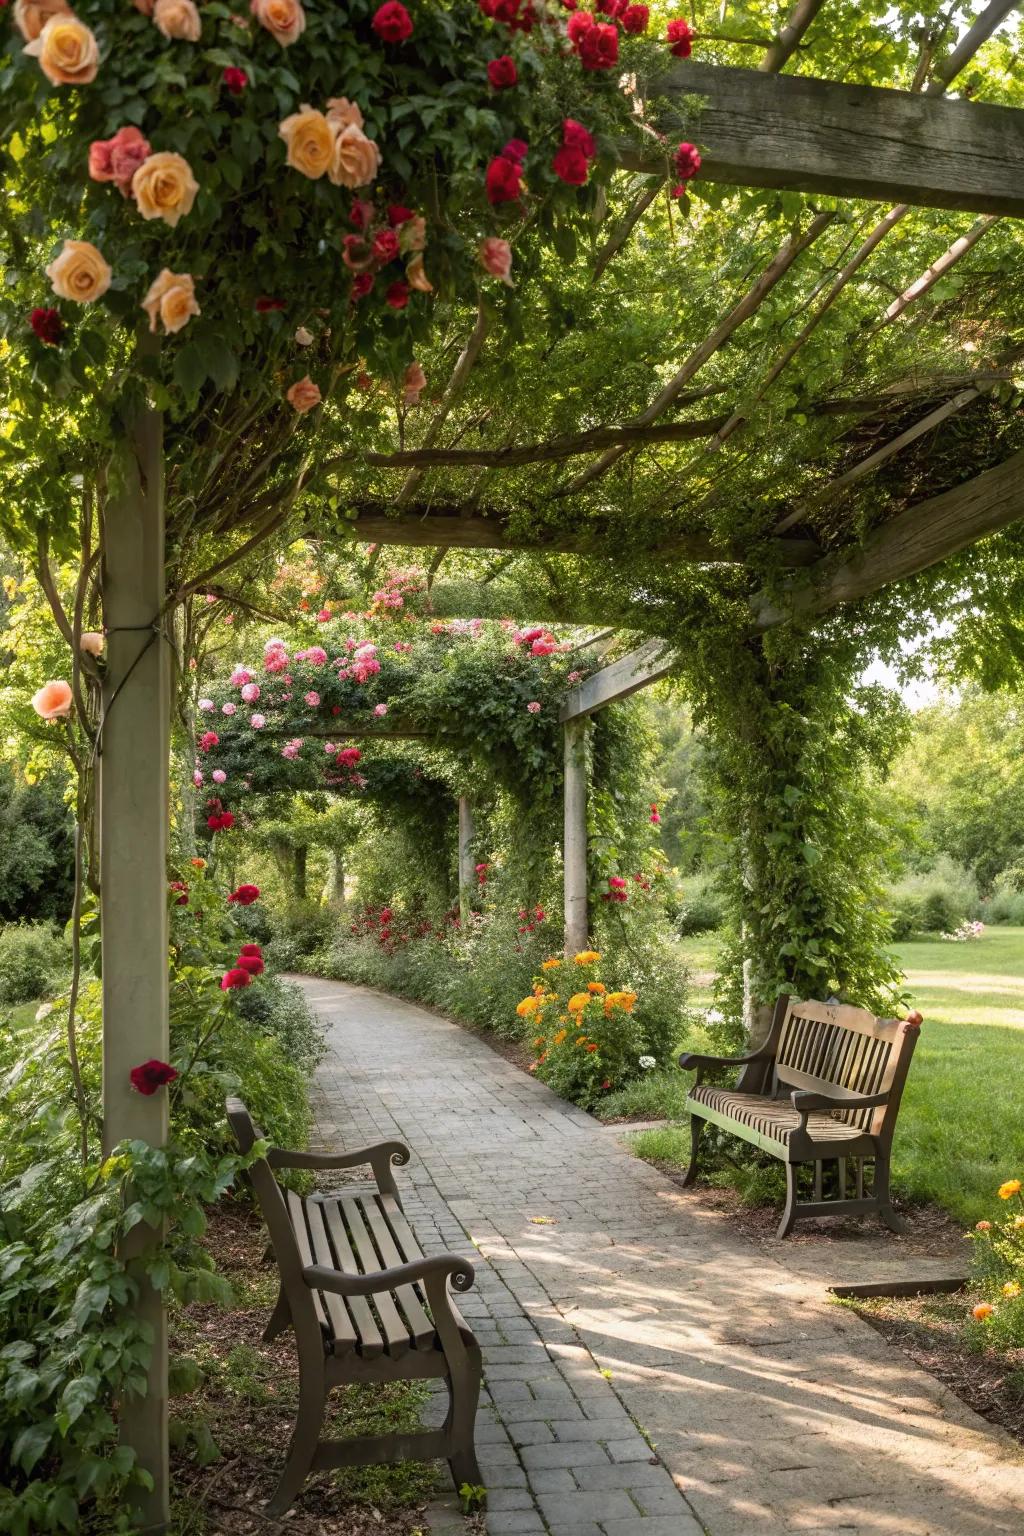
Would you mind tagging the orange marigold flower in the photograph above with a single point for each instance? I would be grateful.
(982, 1226)
(597, 987)
(1009, 1189)
(527, 1006)
(592, 1046)
(623, 1000)
(578, 1002)
(557, 1039)
(587, 957)
(580, 1040)
(552, 964)
(982, 1311)
(539, 1040)
(198, 863)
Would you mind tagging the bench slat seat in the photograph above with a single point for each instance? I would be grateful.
(824, 1088)
(367, 1305)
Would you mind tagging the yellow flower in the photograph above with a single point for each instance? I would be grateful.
(551, 965)
(79, 272)
(578, 1002)
(164, 188)
(67, 51)
(597, 987)
(1009, 1189)
(580, 1040)
(527, 1006)
(623, 1000)
(311, 142)
(558, 1039)
(1012, 1288)
(1018, 1221)
(587, 957)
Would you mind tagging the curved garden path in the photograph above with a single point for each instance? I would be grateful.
(611, 1307)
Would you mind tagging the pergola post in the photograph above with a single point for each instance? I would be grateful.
(467, 870)
(133, 799)
(574, 843)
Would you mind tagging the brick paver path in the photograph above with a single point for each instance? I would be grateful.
(615, 1313)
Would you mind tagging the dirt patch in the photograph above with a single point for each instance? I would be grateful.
(930, 1330)
(231, 1433)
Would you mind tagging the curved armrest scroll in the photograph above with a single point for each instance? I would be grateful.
(394, 1152)
(445, 1265)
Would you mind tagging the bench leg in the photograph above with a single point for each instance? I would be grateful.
(789, 1214)
(697, 1124)
(303, 1444)
(886, 1215)
(280, 1318)
(460, 1425)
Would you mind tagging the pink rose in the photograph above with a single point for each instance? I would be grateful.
(53, 701)
(496, 258)
(304, 395)
(313, 699)
(118, 159)
(257, 722)
(250, 693)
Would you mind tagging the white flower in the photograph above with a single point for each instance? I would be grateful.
(714, 1017)
(303, 337)
(43, 1012)
(647, 1062)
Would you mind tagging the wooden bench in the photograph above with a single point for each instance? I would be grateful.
(366, 1305)
(825, 1087)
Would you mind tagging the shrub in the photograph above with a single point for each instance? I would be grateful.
(303, 930)
(1005, 905)
(905, 916)
(33, 962)
(587, 1038)
(278, 1010)
(702, 908)
(935, 900)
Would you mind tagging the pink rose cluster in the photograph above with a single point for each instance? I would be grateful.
(541, 642)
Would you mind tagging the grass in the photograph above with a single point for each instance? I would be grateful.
(960, 1131)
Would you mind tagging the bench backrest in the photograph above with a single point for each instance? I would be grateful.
(274, 1207)
(826, 1047)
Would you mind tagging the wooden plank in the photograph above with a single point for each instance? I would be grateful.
(396, 1333)
(397, 1243)
(916, 539)
(370, 1338)
(647, 664)
(796, 132)
(342, 1326)
(298, 1220)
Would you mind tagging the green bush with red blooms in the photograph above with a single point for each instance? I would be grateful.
(72, 1352)
(999, 1272)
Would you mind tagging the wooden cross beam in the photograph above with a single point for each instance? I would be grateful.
(790, 131)
(912, 542)
(647, 664)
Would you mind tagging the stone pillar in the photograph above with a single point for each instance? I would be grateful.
(134, 813)
(574, 842)
(467, 868)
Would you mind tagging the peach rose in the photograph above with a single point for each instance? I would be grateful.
(356, 158)
(53, 701)
(496, 258)
(343, 112)
(31, 16)
(414, 382)
(283, 19)
(66, 50)
(91, 642)
(178, 19)
(79, 272)
(304, 395)
(118, 159)
(164, 187)
(310, 140)
(171, 300)
(416, 277)
(413, 235)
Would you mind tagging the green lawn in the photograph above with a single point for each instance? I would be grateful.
(961, 1127)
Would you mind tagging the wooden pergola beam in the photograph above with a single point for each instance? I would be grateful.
(912, 542)
(551, 451)
(647, 664)
(759, 129)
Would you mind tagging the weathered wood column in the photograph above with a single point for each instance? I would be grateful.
(133, 797)
(467, 868)
(574, 842)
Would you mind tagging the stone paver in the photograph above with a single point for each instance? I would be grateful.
(616, 1314)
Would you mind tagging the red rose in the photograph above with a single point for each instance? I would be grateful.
(687, 162)
(502, 72)
(575, 136)
(151, 1076)
(680, 39)
(252, 949)
(504, 178)
(362, 285)
(397, 296)
(361, 213)
(179, 885)
(234, 979)
(599, 46)
(209, 739)
(399, 215)
(614, 8)
(235, 79)
(265, 304)
(245, 895)
(393, 22)
(636, 18)
(251, 964)
(578, 25)
(385, 246)
(48, 326)
(571, 165)
(517, 150)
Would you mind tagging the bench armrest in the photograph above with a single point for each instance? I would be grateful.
(383, 1154)
(319, 1278)
(805, 1100)
(691, 1059)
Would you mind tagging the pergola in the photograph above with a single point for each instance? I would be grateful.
(758, 128)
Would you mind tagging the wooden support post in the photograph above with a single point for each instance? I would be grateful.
(574, 844)
(467, 870)
(133, 798)
(337, 877)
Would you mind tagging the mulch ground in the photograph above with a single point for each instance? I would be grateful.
(233, 1431)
